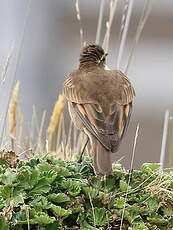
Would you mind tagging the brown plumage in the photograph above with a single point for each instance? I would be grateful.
(100, 104)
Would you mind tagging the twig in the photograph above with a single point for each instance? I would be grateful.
(142, 21)
(80, 23)
(164, 139)
(100, 21)
(124, 35)
(130, 172)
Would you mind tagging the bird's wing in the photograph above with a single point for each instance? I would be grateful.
(93, 119)
(125, 92)
(108, 130)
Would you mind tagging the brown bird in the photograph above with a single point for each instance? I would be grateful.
(100, 104)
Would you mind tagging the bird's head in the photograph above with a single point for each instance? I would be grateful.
(92, 55)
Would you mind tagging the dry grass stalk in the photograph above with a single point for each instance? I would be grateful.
(27, 215)
(124, 16)
(142, 21)
(124, 34)
(113, 5)
(12, 114)
(20, 129)
(171, 142)
(80, 23)
(6, 65)
(55, 118)
(164, 139)
(40, 146)
(64, 139)
(16, 68)
(75, 138)
(130, 172)
(58, 134)
(100, 21)
(69, 137)
(35, 118)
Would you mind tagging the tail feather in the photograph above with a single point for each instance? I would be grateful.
(102, 158)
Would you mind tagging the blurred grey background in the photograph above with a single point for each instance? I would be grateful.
(51, 49)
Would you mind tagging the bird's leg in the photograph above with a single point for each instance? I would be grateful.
(81, 154)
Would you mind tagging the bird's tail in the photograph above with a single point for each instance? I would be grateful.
(102, 158)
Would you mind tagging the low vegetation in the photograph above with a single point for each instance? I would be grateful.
(46, 193)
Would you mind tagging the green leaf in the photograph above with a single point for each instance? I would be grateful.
(41, 187)
(86, 226)
(19, 218)
(72, 186)
(40, 203)
(150, 167)
(58, 198)
(8, 177)
(3, 224)
(33, 162)
(139, 227)
(58, 211)
(19, 199)
(123, 186)
(116, 167)
(99, 217)
(90, 192)
(152, 204)
(44, 166)
(50, 176)
(42, 218)
(2, 203)
(54, 226)
(28, 178)
(96, 182)
(121, 202)
(168, 210)
(6, 191)
(157, 219)
(62, 171)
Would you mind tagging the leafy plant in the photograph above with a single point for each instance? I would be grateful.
(49, 194)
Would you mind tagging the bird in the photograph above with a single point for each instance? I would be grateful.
(100, 104)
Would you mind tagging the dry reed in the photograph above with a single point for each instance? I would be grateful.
(6, 65)
(80, 23)
(97, 41)
(54, 120)
(112, 9)
(12, 114)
